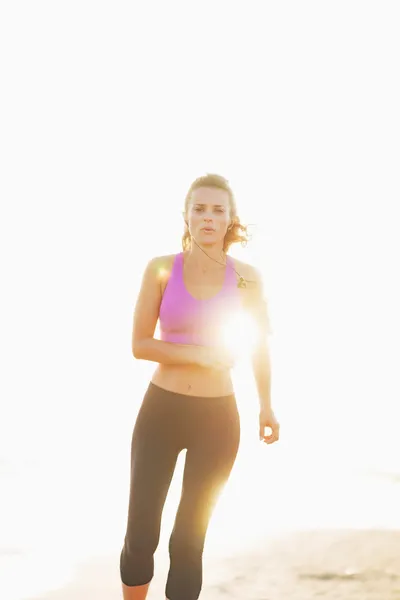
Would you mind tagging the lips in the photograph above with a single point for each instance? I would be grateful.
(209, 229)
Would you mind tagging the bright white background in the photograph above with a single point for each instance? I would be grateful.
(109, 110)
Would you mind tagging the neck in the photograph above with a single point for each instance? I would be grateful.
(213, 251)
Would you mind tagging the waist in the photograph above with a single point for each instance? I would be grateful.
(154, 388)
(192, 380)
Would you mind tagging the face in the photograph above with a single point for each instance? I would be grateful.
(208, 215)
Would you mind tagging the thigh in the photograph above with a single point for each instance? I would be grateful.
(152, 469)
(154, 453)
(209, 460)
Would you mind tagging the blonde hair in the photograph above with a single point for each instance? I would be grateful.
(236, 232)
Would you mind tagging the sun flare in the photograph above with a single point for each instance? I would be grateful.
(239, 333)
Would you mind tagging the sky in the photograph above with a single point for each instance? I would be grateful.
(109, 111)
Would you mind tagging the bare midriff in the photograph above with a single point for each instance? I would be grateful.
(193, 380)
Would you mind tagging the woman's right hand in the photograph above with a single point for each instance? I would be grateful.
(215, 357)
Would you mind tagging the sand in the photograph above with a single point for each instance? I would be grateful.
(306, 565)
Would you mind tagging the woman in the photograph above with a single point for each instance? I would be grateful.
(190, 402)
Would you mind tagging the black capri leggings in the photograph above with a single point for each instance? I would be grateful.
(167, 422)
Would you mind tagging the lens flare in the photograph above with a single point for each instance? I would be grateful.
(239, 334)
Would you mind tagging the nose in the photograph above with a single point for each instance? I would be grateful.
(208, 222)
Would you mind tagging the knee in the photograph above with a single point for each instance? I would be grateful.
(186, 548)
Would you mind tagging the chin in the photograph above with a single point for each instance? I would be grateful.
(208, 239)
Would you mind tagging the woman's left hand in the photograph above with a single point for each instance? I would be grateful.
(268, 419)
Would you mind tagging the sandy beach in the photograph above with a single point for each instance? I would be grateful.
(328, 564)
(288, 525)
(110, 113)
(330, 534)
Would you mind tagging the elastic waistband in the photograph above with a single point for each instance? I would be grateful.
(188, 398)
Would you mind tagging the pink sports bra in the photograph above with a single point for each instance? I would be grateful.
(186, 320)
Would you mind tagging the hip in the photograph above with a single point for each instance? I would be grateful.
(168, 422)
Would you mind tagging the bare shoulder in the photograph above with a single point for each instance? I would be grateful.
(160, 268)
(165, 262)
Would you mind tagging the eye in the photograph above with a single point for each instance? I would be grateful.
(198, 208)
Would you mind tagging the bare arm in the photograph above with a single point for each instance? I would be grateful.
(256, 304)
(258, 307)
(145, 318)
